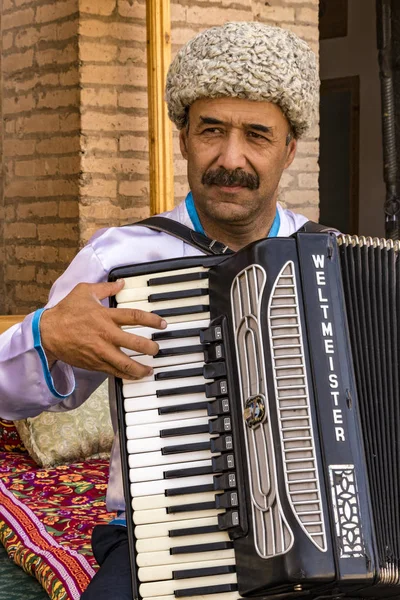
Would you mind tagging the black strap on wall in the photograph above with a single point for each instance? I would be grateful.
(201, 241)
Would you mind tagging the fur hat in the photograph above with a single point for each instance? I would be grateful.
(247, 60)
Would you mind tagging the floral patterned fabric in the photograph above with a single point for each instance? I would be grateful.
(10, 440)
(46, 520)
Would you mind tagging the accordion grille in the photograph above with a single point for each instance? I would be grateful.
(293, 407)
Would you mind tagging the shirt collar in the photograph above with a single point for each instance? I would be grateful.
(194, 217)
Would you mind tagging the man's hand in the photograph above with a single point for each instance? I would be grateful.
(83, 333)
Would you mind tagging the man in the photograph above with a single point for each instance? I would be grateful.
(241, 95)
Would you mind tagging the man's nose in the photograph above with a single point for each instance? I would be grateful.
(232, 153)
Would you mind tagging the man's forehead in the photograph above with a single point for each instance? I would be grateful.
(236, 111)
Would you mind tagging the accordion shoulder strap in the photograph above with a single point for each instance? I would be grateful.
(184, 233)
(204, 243)
(312, 227)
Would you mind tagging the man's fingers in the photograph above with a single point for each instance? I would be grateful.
(106, 289)
(139, 344)
(133, 316)
(127, 368)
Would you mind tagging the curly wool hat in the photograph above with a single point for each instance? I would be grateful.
(247, 60)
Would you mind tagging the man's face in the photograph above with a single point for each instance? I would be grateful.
(236, 151)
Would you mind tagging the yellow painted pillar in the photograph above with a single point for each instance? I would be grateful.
(160, 127)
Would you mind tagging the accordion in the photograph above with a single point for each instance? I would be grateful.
(261, 459)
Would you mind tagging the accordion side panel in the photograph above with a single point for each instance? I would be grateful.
(346, 478)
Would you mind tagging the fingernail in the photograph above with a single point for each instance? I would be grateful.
(163, 324)
(151, 371)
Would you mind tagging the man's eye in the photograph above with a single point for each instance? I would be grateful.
(212, 130)
(256, 136)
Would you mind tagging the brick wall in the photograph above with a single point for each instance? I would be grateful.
(40, 106)
(75, 124)
(114, 180)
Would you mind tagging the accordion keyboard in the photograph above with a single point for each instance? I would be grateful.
(179, 442)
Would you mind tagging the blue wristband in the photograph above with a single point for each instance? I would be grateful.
(37, 344)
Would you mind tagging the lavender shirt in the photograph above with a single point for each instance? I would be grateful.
(28, 388)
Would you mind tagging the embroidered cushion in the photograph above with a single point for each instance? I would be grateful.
(55, 438)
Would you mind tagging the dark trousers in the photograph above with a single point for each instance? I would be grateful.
(113, 580)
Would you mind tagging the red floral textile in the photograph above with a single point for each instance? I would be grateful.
(9, 438)
(46, 520)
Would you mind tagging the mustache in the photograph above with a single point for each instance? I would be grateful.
(226, 178)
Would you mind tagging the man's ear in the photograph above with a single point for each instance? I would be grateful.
(291, 153)
(183, 142)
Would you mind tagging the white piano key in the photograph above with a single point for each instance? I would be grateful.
(165, 572)
(142, 280)
(224, 596)
(133, 405)
(169, 361)
(163, 529)
(157, 472)
(180, 302)
(146, 417)
(172, 370)
(162, 501)
(152, 444)
(148, 388)
(164, 344)
(145, 488)
(148, 459)
(135, 432)
(188, 318)
(165, 543)
(169, 586)
(152, 559)
(160, 515)
(142, 293)
(182, 324)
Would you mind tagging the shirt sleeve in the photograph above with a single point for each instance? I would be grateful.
(27, 385)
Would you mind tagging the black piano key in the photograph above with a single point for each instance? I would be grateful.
(218, 407)
(194, 531)
(206, 591)
(228, 520)
(198, 506)
(168, 279)
(226, 500)
(191, 389)
(176, 334)
(225, 481)
(190, 472)
(210, 547)
(223, 463)
(216, 389)
(181, 448)
(177, 295)
(222, 443)
(193, 489)
(211, 334)
(182, 310)
(214, 370)
(179, 374)
(203, 572)
(220, 425)
(177, 431)
(169, 410)
(214, 352)
(179, 350)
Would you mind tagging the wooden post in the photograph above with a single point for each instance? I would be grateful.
(160, 128)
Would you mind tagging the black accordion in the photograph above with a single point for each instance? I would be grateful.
(261, 459)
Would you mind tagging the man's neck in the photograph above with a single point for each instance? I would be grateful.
(240, 235)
